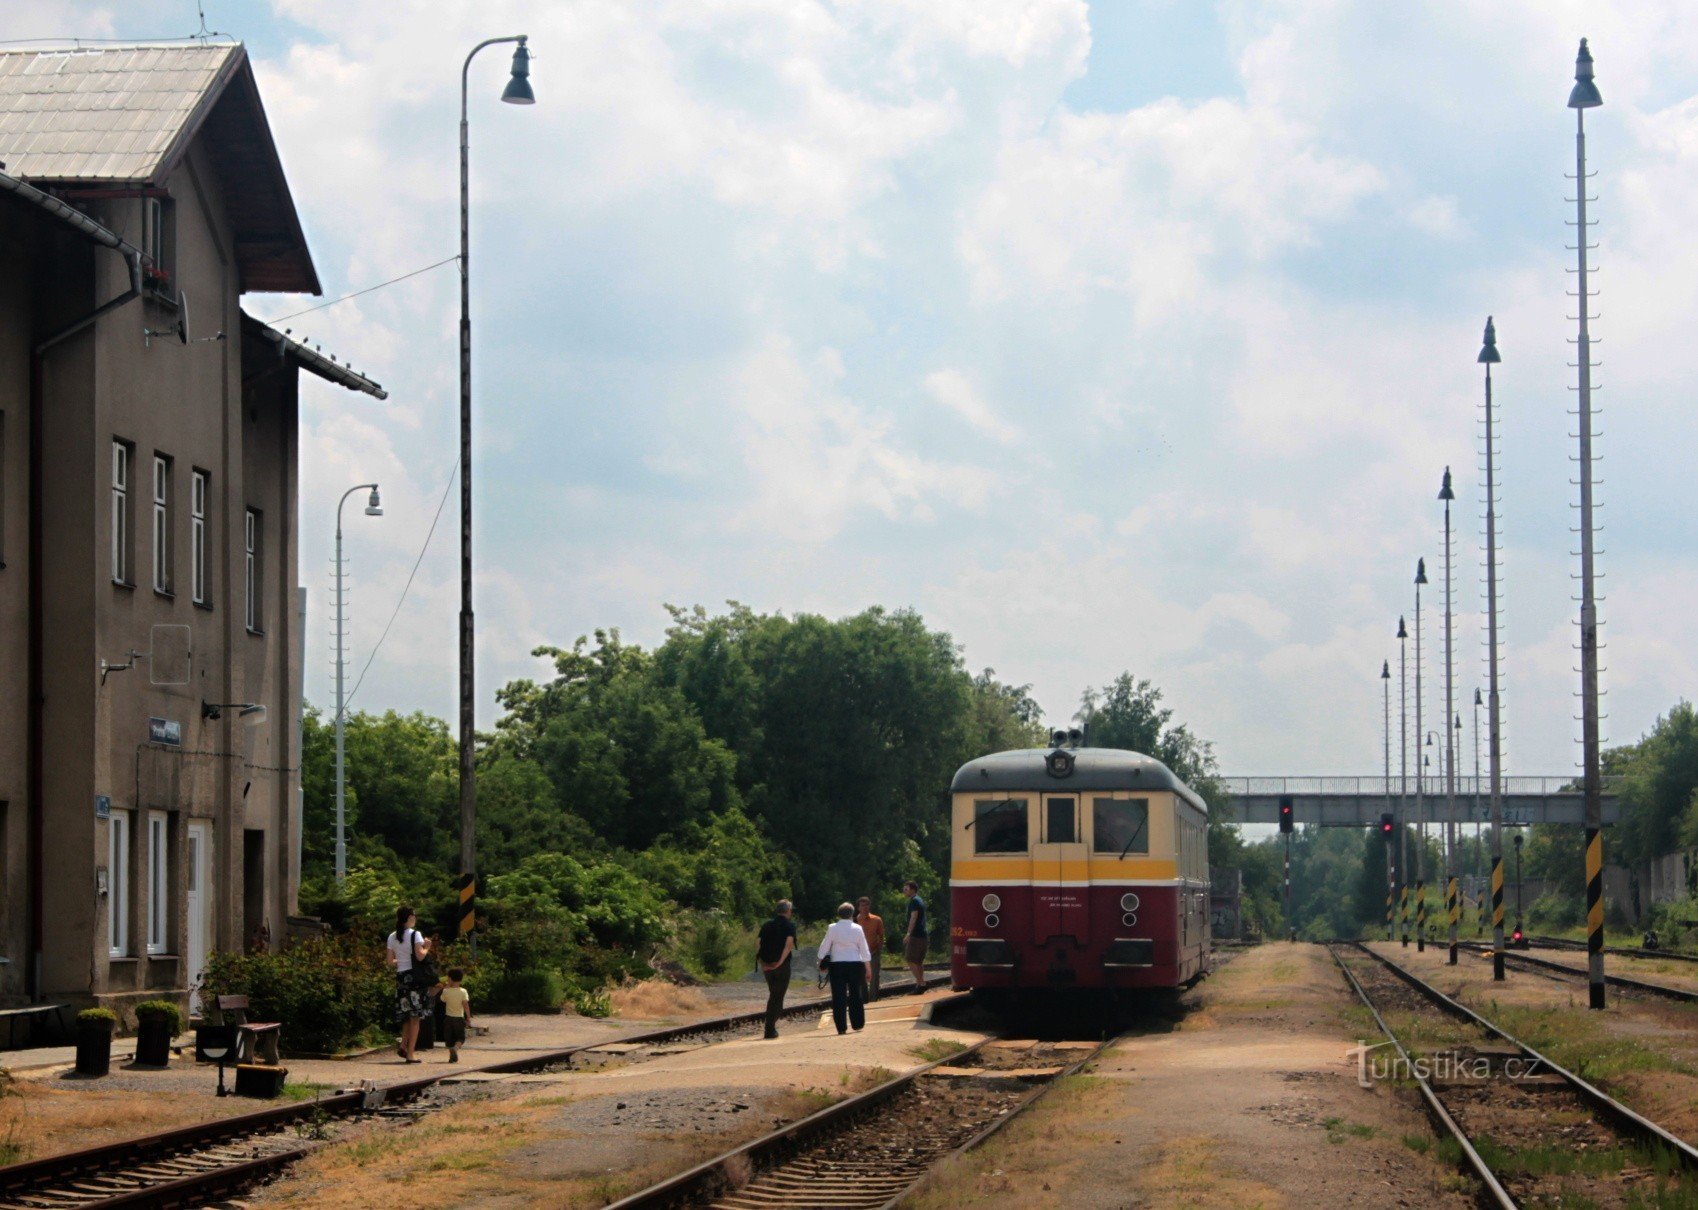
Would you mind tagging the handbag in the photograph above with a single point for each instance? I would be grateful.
(423, 974)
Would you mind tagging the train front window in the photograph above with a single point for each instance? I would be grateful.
(1061, 821)
(1121, 825)
(999, 825)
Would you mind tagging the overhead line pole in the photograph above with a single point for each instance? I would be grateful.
(1452, 902)
(1489, 357)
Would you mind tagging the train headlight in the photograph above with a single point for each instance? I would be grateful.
(1129, 902)
(1130, 919)
(992, 920)
(991, 903)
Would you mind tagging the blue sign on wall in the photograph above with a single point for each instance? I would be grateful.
(102, 806)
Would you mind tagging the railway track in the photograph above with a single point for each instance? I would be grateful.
(1530, 1131)
(849, 1155)
(1622, 951)
(1561, 970)
(197, 1164)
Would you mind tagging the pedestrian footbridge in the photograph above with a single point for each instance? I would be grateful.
(1358, 802)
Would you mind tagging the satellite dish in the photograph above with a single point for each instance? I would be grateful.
(182, 317)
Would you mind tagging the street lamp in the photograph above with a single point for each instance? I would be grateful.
(1391, 859)
(1403, 774)
(1474, 865)
(1585, 96)
(517, 92)
(374, 508)
(1420, 782)
(1488, 357)
(1450, 888)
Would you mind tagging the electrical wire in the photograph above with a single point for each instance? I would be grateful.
(441, 504)
(380, 285)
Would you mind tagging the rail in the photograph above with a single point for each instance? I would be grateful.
(1430, 786)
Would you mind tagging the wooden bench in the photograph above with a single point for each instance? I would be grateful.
(256, 1041)
(29, 1015)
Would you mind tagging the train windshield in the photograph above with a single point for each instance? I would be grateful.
(999, 825)
(1121, 825)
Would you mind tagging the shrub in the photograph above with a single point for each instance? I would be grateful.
(161, 1010)
(326, 991)
(98, 1016)
(526, 991)
(596, 1002)
(708, 945)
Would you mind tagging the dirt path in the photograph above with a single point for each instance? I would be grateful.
(1248, 1101)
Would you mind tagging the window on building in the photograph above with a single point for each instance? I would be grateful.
(161, 523)
(199, 483)
(158, 849)
(118, 884)
(254, 578)
(2, 489)
(121, 451)
(999, 825)
(158, 242)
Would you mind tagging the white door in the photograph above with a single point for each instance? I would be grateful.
(195, 903)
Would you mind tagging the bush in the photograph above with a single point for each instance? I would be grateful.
(525, 991)
(326, 991)
(98, 1016)
(161, 1010)
(709, 945)
(1556, 912)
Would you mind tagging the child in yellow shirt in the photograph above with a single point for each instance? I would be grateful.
(456, 1013)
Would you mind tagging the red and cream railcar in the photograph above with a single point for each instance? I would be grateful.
(1077, 868)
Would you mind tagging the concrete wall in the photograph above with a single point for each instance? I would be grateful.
(15, 324)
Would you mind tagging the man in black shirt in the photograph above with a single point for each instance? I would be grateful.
(778, 942)
(914, 941)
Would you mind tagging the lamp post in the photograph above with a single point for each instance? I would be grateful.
(1403, 774)
(1489, 357)
(1474, 865)
(374, 508)
(517, 92)
(1420, 782)
(1585, 96)
(1391, 859)
(1449, 754)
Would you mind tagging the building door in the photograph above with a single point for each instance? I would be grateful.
(256, 930)
(198, 860)
(1060, 872)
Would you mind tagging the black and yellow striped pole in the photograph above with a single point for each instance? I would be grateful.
(1386, 836)
(1403, 911)
(1582, 97)
(468, 888)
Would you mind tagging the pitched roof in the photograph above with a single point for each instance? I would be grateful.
(124, 117)
(313, 360)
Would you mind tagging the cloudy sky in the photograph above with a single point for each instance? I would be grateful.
(1133, 334)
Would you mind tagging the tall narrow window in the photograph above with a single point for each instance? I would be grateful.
(161, 523)
(158, 242)
(121, 511)
(2, 489)
(158, 840)
(198, 484)
(118, 884)
(255, 571)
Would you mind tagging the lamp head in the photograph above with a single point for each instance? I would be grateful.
(518, 90)
(1420, 571)
(1477, 700)
(1385, 670)
(1585, 94)
(374, 505)
(1444, 492)
(1489, 350)
(1402, 630)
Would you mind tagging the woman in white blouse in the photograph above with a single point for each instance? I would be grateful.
(849, 965)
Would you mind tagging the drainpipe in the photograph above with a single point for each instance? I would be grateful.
(35, 781)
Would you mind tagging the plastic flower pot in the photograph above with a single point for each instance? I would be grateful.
(158, 1022)
(94, 1041)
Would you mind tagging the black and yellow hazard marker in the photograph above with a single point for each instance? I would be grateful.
(1452, 912)
(1595, 916)
(1391, 912)
(1403, 912)
(468, 885)
(1421, 915)
(1497, 917)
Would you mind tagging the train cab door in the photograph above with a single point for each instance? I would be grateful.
(1060, 865)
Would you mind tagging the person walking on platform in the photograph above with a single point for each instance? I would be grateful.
(850, 966)
(914, 940)
(777, 943)
(873, 927)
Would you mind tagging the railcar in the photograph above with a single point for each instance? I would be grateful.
(1076, 869)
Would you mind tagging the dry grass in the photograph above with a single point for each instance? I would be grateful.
(1190, 1172)
(657, 1000)
(39, 1120)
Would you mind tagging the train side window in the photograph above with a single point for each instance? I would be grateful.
(1061, 821)
(999, 825)
(1120, 825)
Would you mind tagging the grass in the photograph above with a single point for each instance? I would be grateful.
(305, 1090)
(935, 1049)
(1338, 1130)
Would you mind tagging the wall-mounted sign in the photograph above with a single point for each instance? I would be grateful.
(165, 731)
(102, 806)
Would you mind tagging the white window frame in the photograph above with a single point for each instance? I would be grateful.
(121, 511)
(254, 570)
(161, 523)
(200, 485)
(118, 884)
(158, 882)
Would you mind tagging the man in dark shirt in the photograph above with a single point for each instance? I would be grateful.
(914, 940)
(777, 943)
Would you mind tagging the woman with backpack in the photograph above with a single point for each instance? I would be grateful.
(409, 954)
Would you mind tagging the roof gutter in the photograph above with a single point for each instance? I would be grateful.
(35, 744)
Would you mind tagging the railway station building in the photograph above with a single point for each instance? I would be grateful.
(150, 608)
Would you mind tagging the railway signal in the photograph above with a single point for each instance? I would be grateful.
(1386, 825)
(1285, 814)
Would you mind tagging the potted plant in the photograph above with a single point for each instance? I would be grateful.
(94, 1041)
(158, 1022)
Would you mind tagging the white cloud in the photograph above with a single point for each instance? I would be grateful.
(952, 389)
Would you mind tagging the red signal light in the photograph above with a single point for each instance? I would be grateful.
(1515, 936)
